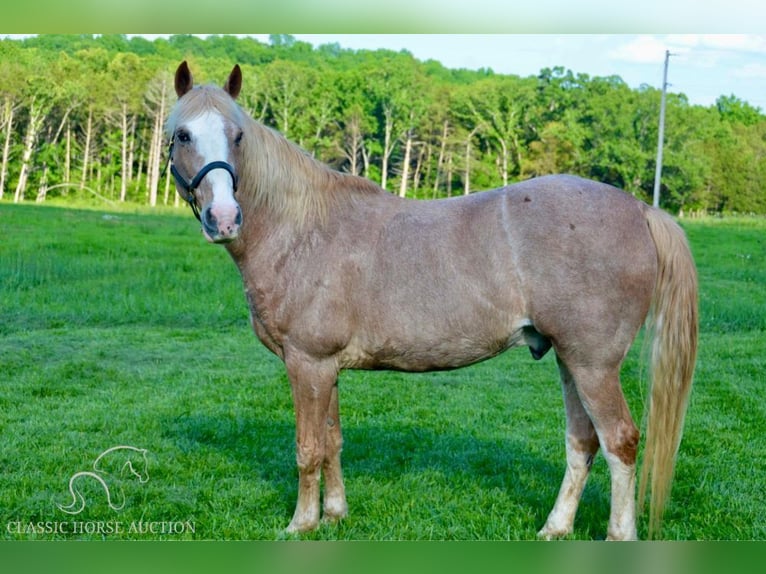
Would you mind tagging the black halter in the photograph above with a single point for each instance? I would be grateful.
(190, 186)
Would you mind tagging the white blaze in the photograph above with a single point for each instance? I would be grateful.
(209, 137)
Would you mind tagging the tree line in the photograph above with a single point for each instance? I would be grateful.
(82, 115)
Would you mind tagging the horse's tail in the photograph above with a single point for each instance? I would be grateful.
(673, 327)
(77, 498)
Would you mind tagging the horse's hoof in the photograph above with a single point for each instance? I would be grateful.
(334, 511)
(628, 536)
(333, 518)
(297, 527)
(546, 533)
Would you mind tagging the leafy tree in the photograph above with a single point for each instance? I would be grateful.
(128, 97)
(286, 86)
(497, 105)
(356, 123)
(12, 81)
(615, 143)
(88, 110)
(392, 81)
(734, 110)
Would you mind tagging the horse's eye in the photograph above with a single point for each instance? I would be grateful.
(238, 139)
(183, 136)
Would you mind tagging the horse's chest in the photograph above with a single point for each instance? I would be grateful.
(261, 321)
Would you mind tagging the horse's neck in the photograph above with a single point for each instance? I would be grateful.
(295, 196)
(268, 236)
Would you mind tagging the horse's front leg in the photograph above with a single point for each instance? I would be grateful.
(312, 384)
(335, 506)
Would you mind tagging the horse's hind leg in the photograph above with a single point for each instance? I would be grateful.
(335, 506)
(601, 395)
(581, 447)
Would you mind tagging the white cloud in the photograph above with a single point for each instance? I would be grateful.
(640, 50)
(751, 71)
(722, 42)
(708, 48)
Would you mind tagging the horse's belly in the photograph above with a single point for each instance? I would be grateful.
(427, 350)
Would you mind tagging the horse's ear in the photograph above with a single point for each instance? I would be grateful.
(184, 80)
(234, 83)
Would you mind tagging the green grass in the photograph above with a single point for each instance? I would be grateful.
(127, 328)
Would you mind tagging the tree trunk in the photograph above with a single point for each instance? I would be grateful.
(517, 149)
(467, 173)
(176, 197)
(152, 165)
(353, 153)
(354, 143)
(131, 149)
(140, 166)
(366, 161)
(68, 157)
(168, 187)
(86, 152)
(440, 161)
(160, 133)
(155, 152)
(504, 168)
(418, 167)
(387, 144)
(8, 121)
(33, 127)
(124, 152)
(427, 163)
(406, 164)
(42, 190)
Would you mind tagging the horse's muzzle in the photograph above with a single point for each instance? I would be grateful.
(221, 226)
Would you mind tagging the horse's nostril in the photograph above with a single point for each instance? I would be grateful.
(238, 219)
(208, 219)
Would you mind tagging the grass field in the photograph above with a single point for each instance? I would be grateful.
(126, 328)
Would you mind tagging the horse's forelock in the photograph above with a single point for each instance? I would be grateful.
(200, 100)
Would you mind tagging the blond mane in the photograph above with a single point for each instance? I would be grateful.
(274, 173)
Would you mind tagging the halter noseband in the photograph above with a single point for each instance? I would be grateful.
(189, 187)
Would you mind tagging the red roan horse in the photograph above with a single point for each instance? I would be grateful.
(339, 274)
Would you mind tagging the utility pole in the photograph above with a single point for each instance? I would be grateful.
(661, 136)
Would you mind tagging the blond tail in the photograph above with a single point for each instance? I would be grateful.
(673, 326)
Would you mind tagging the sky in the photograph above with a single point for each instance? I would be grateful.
(701, 66)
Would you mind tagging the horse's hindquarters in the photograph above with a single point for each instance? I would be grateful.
(587, 266)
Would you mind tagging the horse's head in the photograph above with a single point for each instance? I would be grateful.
(205, 134)
(141, 467)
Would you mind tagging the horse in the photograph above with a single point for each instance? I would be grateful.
(121, 460)
(340, 274)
